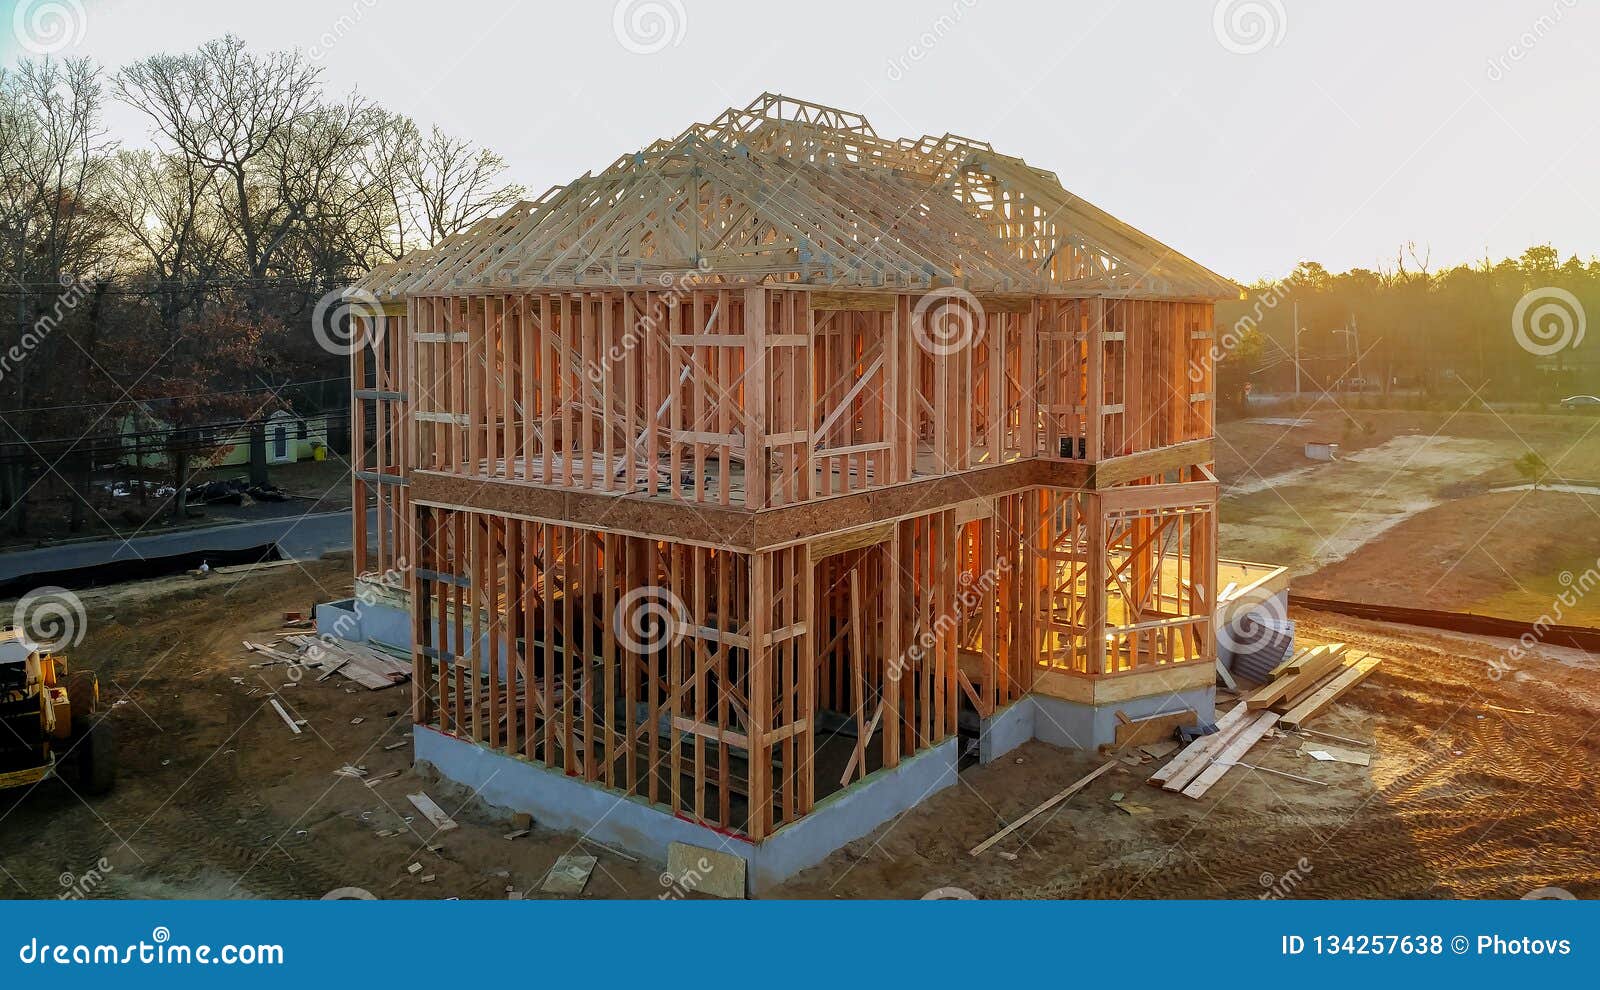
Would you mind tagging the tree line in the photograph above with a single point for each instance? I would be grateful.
(1513, 330)
(176, 279)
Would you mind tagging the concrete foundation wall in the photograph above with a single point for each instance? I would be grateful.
(629, 823)
(632, 824)
(1078, 726)
(1005, 730)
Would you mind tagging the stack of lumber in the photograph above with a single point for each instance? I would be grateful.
(1193, 771)
(371, 668)
(1301, 688)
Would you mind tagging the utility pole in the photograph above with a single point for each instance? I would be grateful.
(1355, 340)
(1296, 329)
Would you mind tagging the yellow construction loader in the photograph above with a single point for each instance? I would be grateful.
(47, 720)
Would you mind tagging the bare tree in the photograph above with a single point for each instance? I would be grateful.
(455, 185)
(163, 207)
(240, 115)
(52, 154)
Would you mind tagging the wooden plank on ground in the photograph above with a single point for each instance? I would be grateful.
(1070, 790)
(1197, 749)
(432, 812)
(295, 726)
(1314, 705)
(1236, 749)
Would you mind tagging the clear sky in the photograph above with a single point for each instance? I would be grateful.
(1246, 133)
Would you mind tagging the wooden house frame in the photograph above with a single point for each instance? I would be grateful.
(739, 470)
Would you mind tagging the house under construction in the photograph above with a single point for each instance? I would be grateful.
(741, 485)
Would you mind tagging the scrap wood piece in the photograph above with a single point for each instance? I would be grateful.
(1070, 790)
(1225, 760)
(350, 664)
(289, 721)
(1307, 688)
(1336, 754)
(1200, 746)
(1151, 728)
(714, 872)
(569, 875)
(278, 655)
(432, 812)
(1159, 750)
(613, 850)
(1327, 695)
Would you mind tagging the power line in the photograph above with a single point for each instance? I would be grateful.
(163, 398)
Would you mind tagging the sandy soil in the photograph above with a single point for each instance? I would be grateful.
(1408, 514)
(1508, 554)
(1479, 787)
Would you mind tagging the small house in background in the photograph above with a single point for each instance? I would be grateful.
(290, 438)
(1322, 450)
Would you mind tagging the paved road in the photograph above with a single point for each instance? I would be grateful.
(306, 536)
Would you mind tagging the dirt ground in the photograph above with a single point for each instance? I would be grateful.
(1410, 515)
(1479, 786)
(217, 798)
